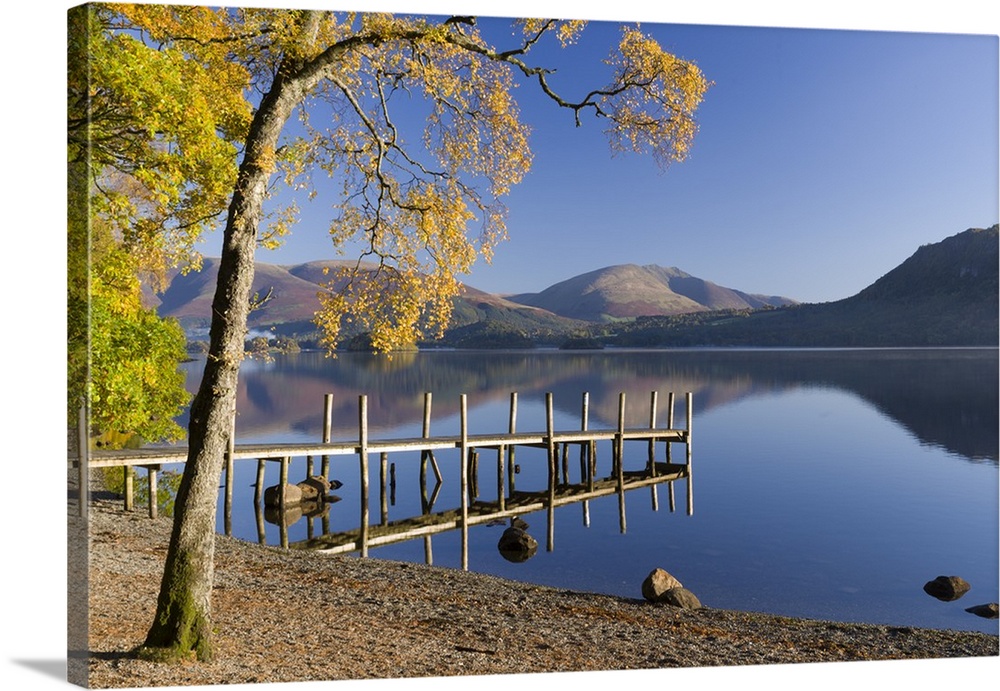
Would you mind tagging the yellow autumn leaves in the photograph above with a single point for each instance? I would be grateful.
(423, 206)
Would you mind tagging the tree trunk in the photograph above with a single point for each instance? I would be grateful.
(182, 624)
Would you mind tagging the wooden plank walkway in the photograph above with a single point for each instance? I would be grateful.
(178, 454)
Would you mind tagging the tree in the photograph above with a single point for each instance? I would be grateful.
(344, 76)
(143, 182)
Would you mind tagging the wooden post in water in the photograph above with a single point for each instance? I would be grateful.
(327, 432)
(392, 484)
(151, 471)
(383, 467)
(511, 428)
(464, 472)
(473, 474)
(620, 466)
(565, 464)
(586, 474)
(501, 478)
(426, 432)
(428, 550)
(501, 471)
(667, 444)
(259, 510)
(652, 426)
(282, 482)
(363, 463)
(690, 415)
(427, 454)
(258, 492)
(282, 504)
(550, 444)
(654, 496)
(283, 528)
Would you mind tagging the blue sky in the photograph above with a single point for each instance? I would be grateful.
(825, 157)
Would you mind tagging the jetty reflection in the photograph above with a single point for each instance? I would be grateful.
(576, 475)
(508, 505)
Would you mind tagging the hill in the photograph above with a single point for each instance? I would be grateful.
(292, 301)
(945, 294)
(627, 291)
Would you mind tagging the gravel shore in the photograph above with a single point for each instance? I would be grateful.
(286, 616)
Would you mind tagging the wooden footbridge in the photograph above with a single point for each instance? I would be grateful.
(556, 443)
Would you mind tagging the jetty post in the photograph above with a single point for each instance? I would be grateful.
(427, 455)
(327, 433)
(667, 443)
(363, 462)
(620, 461)
(654, 495)
(689, 399)
(553, 470)
(511, 430)
(463, 453)
(383, 469)
(586, 455)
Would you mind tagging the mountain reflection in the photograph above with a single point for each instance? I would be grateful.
(946, 398)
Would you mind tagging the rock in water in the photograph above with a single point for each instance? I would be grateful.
(947, 588)
(657, 583)
(273, 495)
(990, 611)
(516, 545)
(314, 488)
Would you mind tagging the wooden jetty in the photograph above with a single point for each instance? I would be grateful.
(556, 443)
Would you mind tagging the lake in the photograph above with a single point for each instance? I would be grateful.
(829, 484)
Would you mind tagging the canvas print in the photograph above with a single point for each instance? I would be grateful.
(421, 346)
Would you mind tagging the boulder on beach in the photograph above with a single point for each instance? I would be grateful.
(680, 597)
(657, 583)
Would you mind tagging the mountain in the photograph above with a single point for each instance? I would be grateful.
(628, 290)
(945, 294)
(292, 300)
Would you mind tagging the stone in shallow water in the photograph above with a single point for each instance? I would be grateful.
(516, 545)
(989, 611)
(273, 495)
(314, 487)
(947, 588)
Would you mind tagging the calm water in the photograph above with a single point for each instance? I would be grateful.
(826, 483)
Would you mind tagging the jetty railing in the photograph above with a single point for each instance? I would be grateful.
(555, 442)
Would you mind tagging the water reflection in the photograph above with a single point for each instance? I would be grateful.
(508, 503)
(945, 398)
